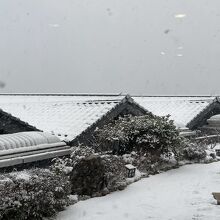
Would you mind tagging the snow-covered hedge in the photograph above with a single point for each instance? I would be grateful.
(87, 176)
(79, 152)
(194, 152)
(146, 133)
(151, 163)
(33, 194)
(92, 173)
(115, 172)
(65, 165)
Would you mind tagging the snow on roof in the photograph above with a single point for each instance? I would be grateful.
(181, 109)
(217, 147)
(215, 117)
(26, 139)
(66, 116)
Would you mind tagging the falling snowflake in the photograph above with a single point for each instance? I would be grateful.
(180, 15)
(54, 25)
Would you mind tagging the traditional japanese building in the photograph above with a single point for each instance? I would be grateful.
(71, 117)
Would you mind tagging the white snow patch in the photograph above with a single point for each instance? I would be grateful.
(179, 194)
(130, 166)
(22, 176)
(73, 199)
(217, 147)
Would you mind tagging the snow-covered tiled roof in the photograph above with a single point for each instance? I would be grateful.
(66, 116)
(28, 147)
(181, 109)
(26, 139)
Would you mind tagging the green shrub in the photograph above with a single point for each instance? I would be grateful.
(32, 194)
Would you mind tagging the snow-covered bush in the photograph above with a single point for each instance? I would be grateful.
(92, 173)
(79, 152)
(97, 175)
(33, 194)
(211, 152)
(150, 163)
(61, 165)
(65, 165)
(115, 172)
(87, 176)
(130, 158)
(146, 133)
(194, 152)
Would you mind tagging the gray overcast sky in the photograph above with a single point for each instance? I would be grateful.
(138, 47)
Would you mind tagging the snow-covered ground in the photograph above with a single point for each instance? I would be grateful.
(180, 194)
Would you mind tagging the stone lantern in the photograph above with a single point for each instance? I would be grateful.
(130, 170)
